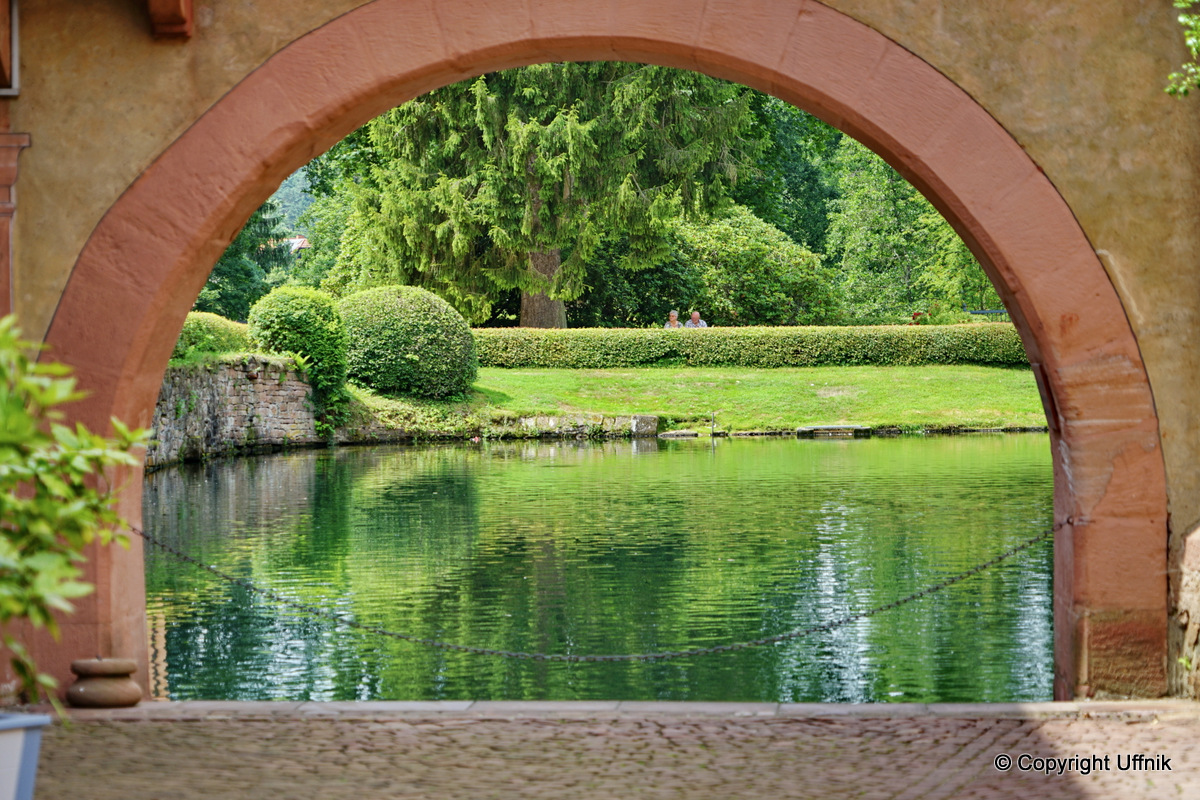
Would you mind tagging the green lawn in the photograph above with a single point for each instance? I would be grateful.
(766, 399)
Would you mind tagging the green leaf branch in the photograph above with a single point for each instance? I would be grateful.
(55, 497)
(1188, 77)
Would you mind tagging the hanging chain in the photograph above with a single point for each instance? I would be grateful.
(797, 633)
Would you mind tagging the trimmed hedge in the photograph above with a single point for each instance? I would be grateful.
(204, 332)
(297, 319)
(993, 344)
(406, 340)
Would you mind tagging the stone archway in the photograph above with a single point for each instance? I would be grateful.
(146, 260)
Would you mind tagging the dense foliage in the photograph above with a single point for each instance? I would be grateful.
(614, 297)
(204, 332)
(293, 198)
(564, 194)
(54, 497)
(405, 340)
(736, 269)
(257, 259)
(752, 274)
(510, 180)
(1188, 77)
(324, 223)
(305, 322)
(791, 184)
(892, 252)
(895, 345)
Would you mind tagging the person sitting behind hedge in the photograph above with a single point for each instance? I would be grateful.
(673, 320)
(695, 321)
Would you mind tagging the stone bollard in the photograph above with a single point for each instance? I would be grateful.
(104, 683)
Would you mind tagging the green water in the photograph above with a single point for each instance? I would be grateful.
(609, 548)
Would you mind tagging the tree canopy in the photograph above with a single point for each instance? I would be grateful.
(578, 192)
(791, 183)
(894, 254)
(257, 258)
(511, 180)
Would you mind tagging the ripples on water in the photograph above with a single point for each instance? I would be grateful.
(609, 548)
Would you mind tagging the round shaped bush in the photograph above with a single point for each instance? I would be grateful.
(297, 319)
(406, 340)
(204, 332)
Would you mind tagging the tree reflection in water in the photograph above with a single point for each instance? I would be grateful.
(604, 548)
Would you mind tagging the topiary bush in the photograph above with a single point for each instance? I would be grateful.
(405, 340)
(306, 322)
(993, 344)
(204, 332)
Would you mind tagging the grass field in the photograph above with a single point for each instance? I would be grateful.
(743, 399)
(764, 399)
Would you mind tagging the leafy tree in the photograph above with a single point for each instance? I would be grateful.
(737, 270)
(949, 274)
(323, 224)
(1188, 77)
(482, 186)
(55, 497)
(257, 258)
(351, 158)
(753, 274)
(791, 185)
(293, 198)
(622, 298)
(435, 194)
(872, 236)
(896, 254)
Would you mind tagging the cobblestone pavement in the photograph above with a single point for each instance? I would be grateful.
(169, 751)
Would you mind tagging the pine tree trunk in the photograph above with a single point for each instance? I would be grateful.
(538, 310)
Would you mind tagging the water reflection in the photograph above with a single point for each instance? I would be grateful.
(612, 547)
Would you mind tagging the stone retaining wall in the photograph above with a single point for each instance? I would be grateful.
(568, 426)
(228, 407)
(256, 404)
(576, 425)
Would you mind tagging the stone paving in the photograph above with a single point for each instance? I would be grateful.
(475, 751)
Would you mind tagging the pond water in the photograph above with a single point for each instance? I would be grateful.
(618, 547)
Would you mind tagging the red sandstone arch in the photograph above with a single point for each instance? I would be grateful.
(147, 259)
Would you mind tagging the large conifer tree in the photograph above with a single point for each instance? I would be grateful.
(510, 180)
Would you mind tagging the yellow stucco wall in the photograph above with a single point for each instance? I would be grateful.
(1078, 83)
(101, 99)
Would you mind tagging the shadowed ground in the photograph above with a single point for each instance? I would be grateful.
(164, 751)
